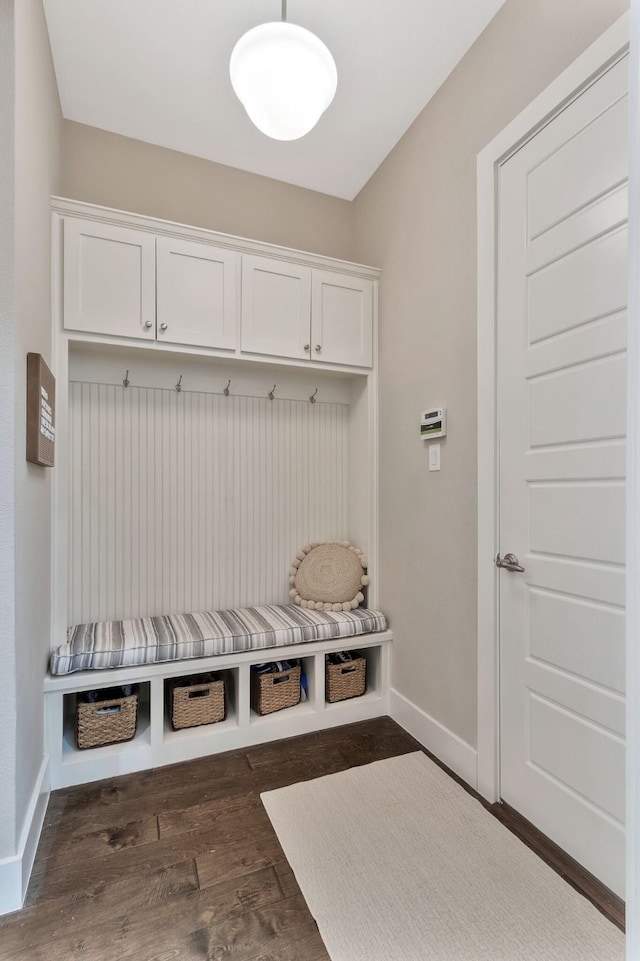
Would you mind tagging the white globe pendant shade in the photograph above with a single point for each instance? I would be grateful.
(285, 78)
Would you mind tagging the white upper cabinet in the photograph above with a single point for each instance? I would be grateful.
(341, 319)
(196, 294)
(276, 307)
(176, 286)
(109, 279)
(295, 311)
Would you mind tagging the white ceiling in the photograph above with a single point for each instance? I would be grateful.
(157, 70)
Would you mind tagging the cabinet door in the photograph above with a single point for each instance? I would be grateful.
(109, 279)
(196, 291)
(276, 307)
(342, 319)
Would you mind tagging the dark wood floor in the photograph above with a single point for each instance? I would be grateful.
(182, 862)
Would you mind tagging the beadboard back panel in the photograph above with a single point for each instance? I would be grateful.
(193, 501)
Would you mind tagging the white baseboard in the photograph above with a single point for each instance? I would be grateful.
(16, 871)
(443, 743)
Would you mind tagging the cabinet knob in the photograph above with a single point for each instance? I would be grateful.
(318, 348)
(148, 324)
(163, 326)
(307, 346)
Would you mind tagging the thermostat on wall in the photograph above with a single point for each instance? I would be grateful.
(433, 423)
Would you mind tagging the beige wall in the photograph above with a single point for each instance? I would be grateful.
(38, 124)
(7, 434)
(105, 168)
(416, 218)
(30, 128)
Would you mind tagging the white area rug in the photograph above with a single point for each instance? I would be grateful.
(398, 863)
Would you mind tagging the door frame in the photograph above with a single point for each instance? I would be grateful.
(632, 846)
(599, 57)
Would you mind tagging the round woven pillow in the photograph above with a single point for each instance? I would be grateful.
(329, 576)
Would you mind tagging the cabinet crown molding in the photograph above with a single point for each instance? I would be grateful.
(66, 207)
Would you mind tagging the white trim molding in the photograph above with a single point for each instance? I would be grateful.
(439, 740)
(613, 44)
(633, 508)
(15, 871)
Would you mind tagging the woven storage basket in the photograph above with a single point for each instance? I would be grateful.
(273, 692)
(345, 680)
(106, 722)
(196, 703)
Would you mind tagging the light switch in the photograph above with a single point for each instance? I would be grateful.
(434, 457)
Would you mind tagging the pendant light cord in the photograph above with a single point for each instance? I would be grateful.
(284, 10)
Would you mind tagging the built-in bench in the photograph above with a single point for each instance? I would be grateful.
(150, 652)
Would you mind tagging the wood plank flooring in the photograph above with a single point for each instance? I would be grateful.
(182, 864)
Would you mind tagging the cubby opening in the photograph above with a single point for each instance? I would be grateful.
(141, 739)
(373, 685)
(230, 721)
(306, 706)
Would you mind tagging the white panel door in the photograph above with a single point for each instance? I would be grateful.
(562, 282)
(276, 307)
(341, 319)
(196, 294)
(109, 279)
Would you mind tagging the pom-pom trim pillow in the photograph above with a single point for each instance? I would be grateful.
(328, 576)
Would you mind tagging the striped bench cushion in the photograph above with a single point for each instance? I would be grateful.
(175, 637)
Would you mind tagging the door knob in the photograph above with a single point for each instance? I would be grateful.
(318, 348)
(163, 326)
(510, 563)
(148, 324)
(307, 346)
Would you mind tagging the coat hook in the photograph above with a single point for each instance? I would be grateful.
(179, 384)
(271, 394)
(226, 390)
(125, 382)
(312, 399)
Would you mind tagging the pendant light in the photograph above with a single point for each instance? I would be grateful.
(284, 76)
